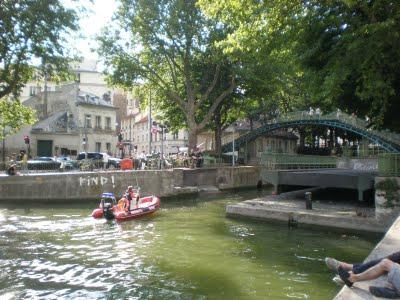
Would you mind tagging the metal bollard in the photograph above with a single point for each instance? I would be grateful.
(308, 197)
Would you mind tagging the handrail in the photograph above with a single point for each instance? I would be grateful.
(295, 161)
(351, 122)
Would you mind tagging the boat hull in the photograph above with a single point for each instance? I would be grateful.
(147, 206)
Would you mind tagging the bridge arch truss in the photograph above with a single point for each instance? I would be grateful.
(348, 123)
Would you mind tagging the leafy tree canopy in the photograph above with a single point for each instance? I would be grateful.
(14, 115)
(332, 54)
(31, 29)
(170, 46)
(350, 50)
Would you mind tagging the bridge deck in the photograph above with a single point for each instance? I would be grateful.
(324, 178)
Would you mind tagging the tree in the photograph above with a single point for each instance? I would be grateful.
(350, 51)
(345, 53)
(31, 29)
(262, 37)
(171, 47)
(13, 115)
(120, 101)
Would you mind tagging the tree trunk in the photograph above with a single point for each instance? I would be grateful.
(192, 139)
(218, 132)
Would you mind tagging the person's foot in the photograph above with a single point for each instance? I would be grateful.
(338, 281)
(344, 275)
(332, 263)
(384, 292)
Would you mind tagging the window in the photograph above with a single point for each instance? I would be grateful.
(108, 147)
(32, 90)
(98, 147)
(108, 123)
(98, 121)
(88, 121)
(175, 135)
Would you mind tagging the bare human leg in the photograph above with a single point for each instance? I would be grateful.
(374, 272)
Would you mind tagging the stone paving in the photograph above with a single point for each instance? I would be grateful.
(289, 206)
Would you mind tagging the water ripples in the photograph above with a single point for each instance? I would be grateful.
(66, 253)
(187, 251)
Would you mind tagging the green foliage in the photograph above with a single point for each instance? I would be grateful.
(331, 54)
(32, 30)
(14, 115)
(170, 46)
(350, 51)
(261, 39)
(391, 189)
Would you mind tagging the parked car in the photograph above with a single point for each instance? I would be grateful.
(113, 162)
(69, 164)
(43, 163)
(95, 158)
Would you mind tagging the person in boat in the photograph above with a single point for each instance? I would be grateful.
(129, 194)
(351, 273)
(132, 197)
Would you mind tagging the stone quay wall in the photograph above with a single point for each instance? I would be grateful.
(390, 243)
(89, 185)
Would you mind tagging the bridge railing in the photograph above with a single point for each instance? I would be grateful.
(389, 164)
(284, 161)
(385, 136)
(340, 116)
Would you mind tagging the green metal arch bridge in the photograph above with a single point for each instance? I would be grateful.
(389, 141)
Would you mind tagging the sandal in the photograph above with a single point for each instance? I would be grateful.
(344, 275)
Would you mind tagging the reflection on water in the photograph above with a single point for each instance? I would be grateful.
(188, 250)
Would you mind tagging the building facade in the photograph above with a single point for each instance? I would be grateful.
(135, 131)
(73, 117)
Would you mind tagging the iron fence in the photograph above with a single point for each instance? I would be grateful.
(284, 161)
(389, 164)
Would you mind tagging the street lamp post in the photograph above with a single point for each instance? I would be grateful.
(162, 147)
(150, 123)
(4, 145)
(233, 144)
(86, 137)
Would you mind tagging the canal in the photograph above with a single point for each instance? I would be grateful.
(188, 250)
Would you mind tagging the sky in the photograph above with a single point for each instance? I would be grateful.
(98, 15)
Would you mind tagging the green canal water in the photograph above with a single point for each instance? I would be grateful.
(188, 250)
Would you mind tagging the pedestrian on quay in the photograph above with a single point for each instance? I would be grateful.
(12, 170)
(25, 163)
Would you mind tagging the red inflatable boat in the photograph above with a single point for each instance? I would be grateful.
(146, 206)
(125, 210)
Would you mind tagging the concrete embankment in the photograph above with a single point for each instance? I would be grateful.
(89, 185)
(389, 244)
(288, 207)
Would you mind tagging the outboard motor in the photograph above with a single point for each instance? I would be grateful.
(108, 212)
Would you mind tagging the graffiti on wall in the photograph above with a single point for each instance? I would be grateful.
(96, 180)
